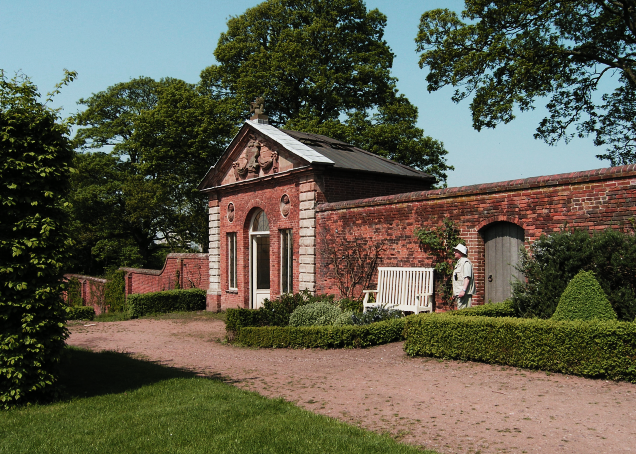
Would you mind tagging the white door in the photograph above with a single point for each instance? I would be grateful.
(259, 259)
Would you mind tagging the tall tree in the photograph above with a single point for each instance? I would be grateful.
(35, 157)
(506, 54)
(137, 194)
(323, 66)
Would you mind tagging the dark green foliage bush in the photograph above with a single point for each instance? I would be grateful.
(322, 336)
(73, 292)
(350, 305)
(238, 318)
(504, 309)
(34, 242)
(80, 313)
(554, 260)
(278, 311)
(584, 299)
(140, 304)
(588, 348)
(375, 314)
(315, 314)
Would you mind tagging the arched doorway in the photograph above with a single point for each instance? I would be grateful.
(259, 259)
(502, 241)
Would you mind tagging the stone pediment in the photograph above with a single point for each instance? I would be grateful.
(254, 155)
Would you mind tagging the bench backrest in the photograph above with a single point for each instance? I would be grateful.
(400, 286)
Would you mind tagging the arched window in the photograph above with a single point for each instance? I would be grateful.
(260, 224)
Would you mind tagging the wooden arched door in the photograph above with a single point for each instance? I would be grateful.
(502, 241)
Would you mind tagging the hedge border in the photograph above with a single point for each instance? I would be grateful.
(80, 313)
(361, 336)
(140, 304)
(587, 348)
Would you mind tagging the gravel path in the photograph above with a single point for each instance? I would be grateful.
(449, 406)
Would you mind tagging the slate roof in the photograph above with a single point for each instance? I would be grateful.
(349, 157)
(319, 149)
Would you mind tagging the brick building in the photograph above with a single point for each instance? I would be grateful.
(279, 199)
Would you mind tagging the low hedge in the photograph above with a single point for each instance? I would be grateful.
(80, 313)
(140, 304)
(587, 348)
(239, 318)
(503, 309)
(322, 336)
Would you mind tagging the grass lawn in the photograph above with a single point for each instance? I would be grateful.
(117, 404)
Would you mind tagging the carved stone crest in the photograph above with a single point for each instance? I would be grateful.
(255, 157)
(285, 205)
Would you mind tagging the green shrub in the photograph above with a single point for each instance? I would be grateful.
(315, 314)
(587, 348)
(504, 309)
(140, 304)
(346, 318)
(350, 305)
(322, 336)
(376, 314)
(584, 299)
(554, 260)
(238, 318)
(35, 162)
(278, 311)
(115, 290)
(80, 313)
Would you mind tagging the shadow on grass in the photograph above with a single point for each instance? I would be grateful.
(86, 374)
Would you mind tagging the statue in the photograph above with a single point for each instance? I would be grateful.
(248, 163)
(257, 107)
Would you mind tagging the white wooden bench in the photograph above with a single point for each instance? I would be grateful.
(404, 289)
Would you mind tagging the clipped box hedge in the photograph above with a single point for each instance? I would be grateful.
(80, 313)
(587, 348)
(236, 319)
(360, 336)
(140, 304)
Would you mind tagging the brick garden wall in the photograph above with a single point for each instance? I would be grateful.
(589, 200)
(91, 291)
(190, 270)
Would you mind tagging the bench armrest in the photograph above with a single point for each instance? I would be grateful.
(366, 295)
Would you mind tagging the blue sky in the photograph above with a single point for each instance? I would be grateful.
(113, 41)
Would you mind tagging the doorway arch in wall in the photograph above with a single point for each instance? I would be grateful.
(502, 242)
(259, 259)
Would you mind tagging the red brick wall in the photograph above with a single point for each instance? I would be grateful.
(266, 196)
(192, 270)
(91, 291)
(590, 200)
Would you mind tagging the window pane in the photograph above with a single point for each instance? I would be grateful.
(286, 261)
(260, 224)
(231, 237)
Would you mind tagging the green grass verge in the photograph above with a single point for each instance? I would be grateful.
(118, 404)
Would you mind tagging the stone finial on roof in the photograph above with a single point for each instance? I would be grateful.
(257, 107)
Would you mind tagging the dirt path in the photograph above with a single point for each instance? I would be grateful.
(449, 406)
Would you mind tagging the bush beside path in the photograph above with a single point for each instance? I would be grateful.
(449, 406)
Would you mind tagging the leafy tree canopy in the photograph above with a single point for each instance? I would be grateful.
(137, 195)
(507, 54)
(323, 67)
(35, 156)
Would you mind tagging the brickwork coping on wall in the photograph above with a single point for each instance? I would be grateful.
(593, 200)
(190, 270)
(91, 291)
